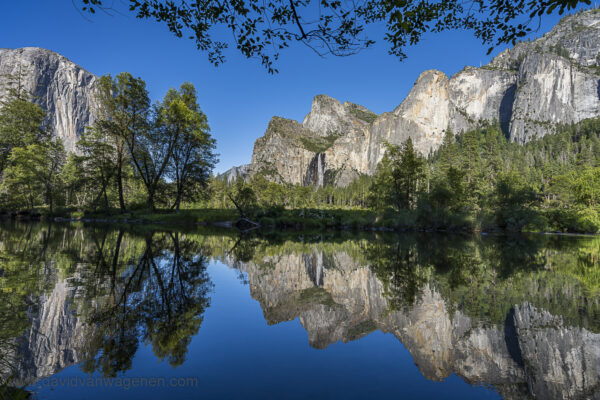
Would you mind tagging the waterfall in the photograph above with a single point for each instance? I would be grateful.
(315, 173)
(320, 168)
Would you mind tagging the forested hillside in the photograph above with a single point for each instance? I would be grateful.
(477, 180)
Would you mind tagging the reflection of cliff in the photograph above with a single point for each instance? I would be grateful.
(533, 354)
(53, 342)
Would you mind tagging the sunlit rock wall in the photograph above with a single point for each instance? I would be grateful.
(62, 88)
(528, 90)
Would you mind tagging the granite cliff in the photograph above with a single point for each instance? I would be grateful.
(62, 88)
(528, 90)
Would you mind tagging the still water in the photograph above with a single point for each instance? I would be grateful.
(90, 312)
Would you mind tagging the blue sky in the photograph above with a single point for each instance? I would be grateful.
(239, 97)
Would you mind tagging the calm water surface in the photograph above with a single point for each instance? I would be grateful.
(97, 313)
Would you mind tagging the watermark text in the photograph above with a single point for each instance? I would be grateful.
(124, 383)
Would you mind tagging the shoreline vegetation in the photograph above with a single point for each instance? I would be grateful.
(287, 220)
(152, 164)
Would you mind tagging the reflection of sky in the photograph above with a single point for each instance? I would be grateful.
(239, 97)
(237, 355)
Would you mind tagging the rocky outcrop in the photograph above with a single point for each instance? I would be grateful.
(233, 174)
(528, 90)
(63, 89)
(552, 90)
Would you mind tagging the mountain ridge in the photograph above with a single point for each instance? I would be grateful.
(528, 90)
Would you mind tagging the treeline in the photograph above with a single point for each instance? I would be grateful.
(269, 194)
(143, 156)
(476, 180)
(479, 179)
(135, 155)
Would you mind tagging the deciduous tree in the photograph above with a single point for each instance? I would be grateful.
(192, 156)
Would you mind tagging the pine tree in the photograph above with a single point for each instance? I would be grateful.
(493, 164)
(407, 174)
(447, 152)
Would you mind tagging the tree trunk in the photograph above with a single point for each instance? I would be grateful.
(106, 205)
(177, 203)
(120, 183)
(150, 200)
(240, 209)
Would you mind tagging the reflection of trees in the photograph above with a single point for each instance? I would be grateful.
(515, 253)
(244, 249)
(152, 287)
(406, 263)
(158, 294)
(129, 287)
(507, 270)
(486, 276)
(400, 270)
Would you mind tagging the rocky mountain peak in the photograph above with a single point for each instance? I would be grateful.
(328, 116)
(575, 38)
(427, 101)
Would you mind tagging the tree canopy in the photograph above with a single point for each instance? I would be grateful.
(261, 29)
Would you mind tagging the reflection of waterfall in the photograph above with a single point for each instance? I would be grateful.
(319, 269)
(315, 174)
(532, 354)
(314, 267)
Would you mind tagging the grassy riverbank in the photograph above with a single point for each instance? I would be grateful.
(578, 220)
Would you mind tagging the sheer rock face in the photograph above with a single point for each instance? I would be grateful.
(480, 94)
(552, 89)
(328, 116)
(528, 90)
(532, 355)
(63, 89)
(422, 116)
